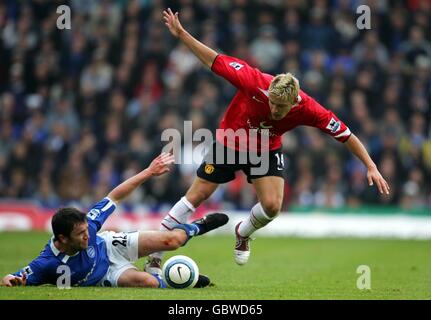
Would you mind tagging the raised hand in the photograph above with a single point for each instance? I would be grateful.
(172, 22)
(161, 164)
(374, 176)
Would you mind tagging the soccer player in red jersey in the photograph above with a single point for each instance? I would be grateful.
(266, 103)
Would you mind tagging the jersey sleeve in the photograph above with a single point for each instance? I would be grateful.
(328, 122)
(35, 272)
(100, 212)
(236, 71)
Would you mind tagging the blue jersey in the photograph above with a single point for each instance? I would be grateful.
(87, 267)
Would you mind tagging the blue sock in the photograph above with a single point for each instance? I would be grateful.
(191, 230)
(162, 284)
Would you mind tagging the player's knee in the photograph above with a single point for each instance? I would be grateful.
(272, 206)
(150, 282)
(196, 197)
(146, 280)
(138, 279)
(175, 239)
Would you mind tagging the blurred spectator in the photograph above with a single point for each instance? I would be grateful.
(266, 49)
(45, 194)
(415, 46)
(370, 50)
(82, 109)
(318, 34)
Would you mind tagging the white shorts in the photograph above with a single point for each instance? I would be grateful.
(122, 249)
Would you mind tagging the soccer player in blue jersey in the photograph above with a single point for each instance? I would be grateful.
(106, 258)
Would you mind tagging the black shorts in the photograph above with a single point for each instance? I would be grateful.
(221, 163)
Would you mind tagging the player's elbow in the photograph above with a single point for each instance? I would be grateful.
(114, 196)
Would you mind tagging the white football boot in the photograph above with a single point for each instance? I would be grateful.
(242, 248)
(153, 265)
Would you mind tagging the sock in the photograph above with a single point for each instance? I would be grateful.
(177, 215)
(256, 220)
(162, 284)
(191, 229)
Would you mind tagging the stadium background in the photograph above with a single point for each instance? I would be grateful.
(83, 109)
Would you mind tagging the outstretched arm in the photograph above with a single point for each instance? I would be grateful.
(205, 54)
(158, 166)
(13, 281)
(373, 174)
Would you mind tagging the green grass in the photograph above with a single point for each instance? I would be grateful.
(279, 268)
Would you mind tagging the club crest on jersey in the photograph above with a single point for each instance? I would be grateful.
(236, 65)
(91, 252)
(333, 125)
(209, 168)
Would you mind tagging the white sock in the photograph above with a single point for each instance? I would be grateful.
(178, 214)
(256, 220)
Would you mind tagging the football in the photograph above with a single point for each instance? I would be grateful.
(180, 272)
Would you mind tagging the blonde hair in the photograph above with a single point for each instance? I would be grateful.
(286, 87)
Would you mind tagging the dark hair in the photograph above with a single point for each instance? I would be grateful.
(65, 219)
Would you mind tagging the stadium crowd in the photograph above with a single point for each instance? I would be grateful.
(83, 109)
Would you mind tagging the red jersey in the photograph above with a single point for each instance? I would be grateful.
(250, 109)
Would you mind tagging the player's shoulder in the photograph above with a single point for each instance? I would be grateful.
(306, 101)
(103, 205)
(238, 64)
(261, 83)
(304, 96)
(50, 252)
(49, 256)
(267, 77)
(304, 107)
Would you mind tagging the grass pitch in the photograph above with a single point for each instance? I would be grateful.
(279, 268)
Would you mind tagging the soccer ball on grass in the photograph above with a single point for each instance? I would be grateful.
(180, 272)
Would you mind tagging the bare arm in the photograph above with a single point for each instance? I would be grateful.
(13, 281)
(373, 174)
(205, 54)
(158, 166)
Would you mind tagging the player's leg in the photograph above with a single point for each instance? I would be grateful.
(269, 186)
(269, 191)
(156, 241)
(135, 278)
(209, 176)
(153, 241)
(122, 249)
(125, 248)
(199, 191)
